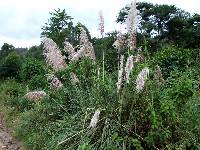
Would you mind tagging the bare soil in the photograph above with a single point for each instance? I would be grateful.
(7, 142)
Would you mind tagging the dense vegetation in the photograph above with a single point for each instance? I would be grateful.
(165, 114)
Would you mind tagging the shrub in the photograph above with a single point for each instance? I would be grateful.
(12, 96)
(173, 58)
(38, 82)
(35, 52)
(30, 68)
(10, 66)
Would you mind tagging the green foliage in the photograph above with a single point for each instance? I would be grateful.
(164, 115)
(10, 65)
(85, 146)
(11, 88)
(185, 32)
(6, 49)
(38, 82)
(172, 58)
(59, 27)
(45, 124)
(19, 104)
(105, 44)
(13, 93)
(166, 22)
(35, 52)
(154, 17)
(89, 70)
(33, 73)
(157, 117)
(30, 68)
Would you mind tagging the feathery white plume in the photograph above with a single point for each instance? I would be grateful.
(35, 96)
(74, 78)
(159, 73)
(120, 73)
(69, 48)
(86, 46)
(55, 83)
(120, 42)
(128, 68)
(101, 23)
(132, 19)
(140, 81)
(53, 55)
(131, 23)
(94, 120)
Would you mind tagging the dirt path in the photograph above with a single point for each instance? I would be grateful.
(7, 142)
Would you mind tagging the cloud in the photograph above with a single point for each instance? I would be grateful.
(21, 20)
(19, 42)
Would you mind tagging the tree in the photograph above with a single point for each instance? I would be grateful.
(110, 53)
(6, 49)
(154, 18)
(166, 24)
(35, 52)
(191, 32)
(59, 27)
(10, 65)
(30, 68)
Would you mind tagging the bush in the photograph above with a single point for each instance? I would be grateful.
(10, 65)
(35, 52)
(173, 58)
(155, 118)
(12, 96)
(30, 68)
(38, 82)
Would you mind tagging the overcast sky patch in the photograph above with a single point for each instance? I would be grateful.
(21, 20)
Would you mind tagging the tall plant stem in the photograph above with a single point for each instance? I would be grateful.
(103, 65)
(146, 49)
(128, 52)
(121, 98)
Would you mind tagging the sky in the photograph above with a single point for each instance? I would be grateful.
(21, 20)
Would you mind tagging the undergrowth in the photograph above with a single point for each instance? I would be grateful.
(162, 116)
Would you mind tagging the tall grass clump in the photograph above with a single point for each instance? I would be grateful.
(146, 103)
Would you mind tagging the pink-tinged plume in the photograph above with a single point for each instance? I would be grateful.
(53, 55)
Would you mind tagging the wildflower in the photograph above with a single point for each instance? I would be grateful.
(71, 51)
(94, 119)
(86, 46)
(101, 23)
(120, 73)
(140, 81)
(120, 42)
(53, 55)
(74, 78)
(35, 96)
(128, 68)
